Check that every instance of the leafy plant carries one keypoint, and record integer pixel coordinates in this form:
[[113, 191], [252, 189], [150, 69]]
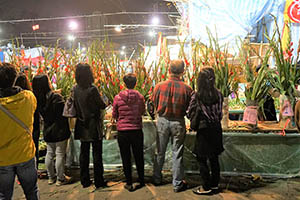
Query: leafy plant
[[286, 75], [257, 84], [224, 72]]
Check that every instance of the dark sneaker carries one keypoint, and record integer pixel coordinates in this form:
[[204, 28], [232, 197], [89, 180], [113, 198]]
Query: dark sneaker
[[67, 180], [103, 184], [157, 183], [88, 184], [182, 187], [140, 185], [129, 187], [215, 189], [201, 191]]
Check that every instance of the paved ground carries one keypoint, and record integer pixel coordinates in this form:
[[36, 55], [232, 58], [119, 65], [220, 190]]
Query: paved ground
[[232, 188]]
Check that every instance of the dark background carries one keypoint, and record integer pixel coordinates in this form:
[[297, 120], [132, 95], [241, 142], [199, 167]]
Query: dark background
[[90, 28]]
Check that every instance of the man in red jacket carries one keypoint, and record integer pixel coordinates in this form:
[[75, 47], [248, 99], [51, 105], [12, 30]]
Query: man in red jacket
[[128, 108], [171, 99]]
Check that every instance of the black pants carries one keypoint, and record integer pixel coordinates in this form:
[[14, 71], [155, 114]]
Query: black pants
[[85, 161], [132, 139], [36, 139], [209, 180]]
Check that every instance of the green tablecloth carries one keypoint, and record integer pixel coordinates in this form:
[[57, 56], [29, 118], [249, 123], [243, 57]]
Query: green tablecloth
[[263, 153]]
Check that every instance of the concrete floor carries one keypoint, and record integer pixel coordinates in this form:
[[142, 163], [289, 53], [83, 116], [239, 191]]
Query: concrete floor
[[232, 188]]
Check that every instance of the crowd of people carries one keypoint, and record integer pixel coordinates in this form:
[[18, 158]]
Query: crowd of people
[[21, 108]]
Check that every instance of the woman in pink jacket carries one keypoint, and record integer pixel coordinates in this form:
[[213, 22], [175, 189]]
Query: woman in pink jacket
[[128, 108]]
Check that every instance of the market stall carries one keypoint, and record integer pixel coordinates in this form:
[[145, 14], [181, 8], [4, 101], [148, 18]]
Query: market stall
[[263, 152]]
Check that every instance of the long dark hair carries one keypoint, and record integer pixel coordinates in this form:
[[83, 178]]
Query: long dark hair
[[83, 75], [41, 86], [22, 81], [206, 91]]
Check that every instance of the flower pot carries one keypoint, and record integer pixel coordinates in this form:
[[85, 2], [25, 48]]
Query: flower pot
[[225, 119], [286, 113], [250, 114]]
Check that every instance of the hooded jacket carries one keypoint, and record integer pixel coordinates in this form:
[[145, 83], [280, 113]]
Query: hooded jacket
[[16, 145], [128, 108]]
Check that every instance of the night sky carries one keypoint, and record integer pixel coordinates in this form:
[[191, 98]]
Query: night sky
[[33, 9]]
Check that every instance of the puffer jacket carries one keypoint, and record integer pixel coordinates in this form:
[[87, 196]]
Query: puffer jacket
[[128, 108]]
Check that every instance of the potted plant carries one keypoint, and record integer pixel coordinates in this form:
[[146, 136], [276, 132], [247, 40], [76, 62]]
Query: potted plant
[[286, 76], [257, 85]]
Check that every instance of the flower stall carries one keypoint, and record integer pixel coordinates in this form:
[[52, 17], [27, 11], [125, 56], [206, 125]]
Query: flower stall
[[252, 145]]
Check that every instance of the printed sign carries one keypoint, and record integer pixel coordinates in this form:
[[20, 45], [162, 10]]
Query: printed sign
[[250, 115], [294, 11], [287, 109]]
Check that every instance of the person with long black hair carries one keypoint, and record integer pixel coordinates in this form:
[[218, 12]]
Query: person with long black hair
[[56, 130], [89, 125], [207, 103]]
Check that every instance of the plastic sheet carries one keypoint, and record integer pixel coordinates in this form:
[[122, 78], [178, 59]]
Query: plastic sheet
[[245, 153]]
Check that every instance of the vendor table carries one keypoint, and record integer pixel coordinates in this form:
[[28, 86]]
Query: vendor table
[[245, 152]]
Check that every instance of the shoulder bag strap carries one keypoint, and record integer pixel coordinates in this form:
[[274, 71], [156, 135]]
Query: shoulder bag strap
[[13, 117]]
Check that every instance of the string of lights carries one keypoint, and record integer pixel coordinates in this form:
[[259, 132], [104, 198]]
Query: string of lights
[[86, 16]]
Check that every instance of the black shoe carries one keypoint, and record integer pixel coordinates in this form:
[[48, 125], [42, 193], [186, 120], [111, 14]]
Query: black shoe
[[182, 187], [88, 184], [157, 183], [129, 187], [215, 190], [103, 184], [201, 191], [139, 186]]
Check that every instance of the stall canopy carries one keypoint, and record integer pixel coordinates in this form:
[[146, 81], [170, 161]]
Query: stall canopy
[[235, 18]]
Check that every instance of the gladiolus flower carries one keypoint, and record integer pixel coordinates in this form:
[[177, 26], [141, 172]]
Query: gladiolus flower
[[186, 62], [150, 91], [246, 60]]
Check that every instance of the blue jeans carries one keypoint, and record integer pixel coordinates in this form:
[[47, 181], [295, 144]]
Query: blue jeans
[[176, 130], [27, 175]]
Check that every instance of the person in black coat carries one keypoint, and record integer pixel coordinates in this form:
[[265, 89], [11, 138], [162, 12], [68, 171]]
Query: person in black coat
[[206, 105], [56, 128], [89, 106]]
